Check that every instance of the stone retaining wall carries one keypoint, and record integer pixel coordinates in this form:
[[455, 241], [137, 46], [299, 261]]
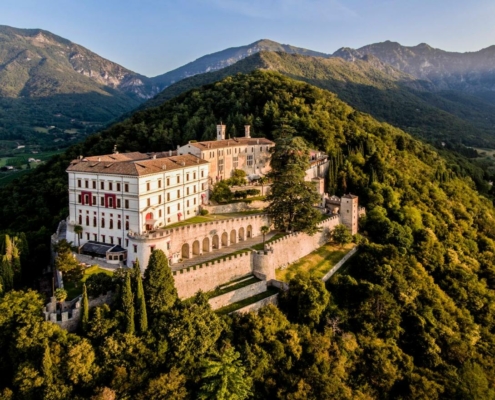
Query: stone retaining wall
[[259, 304], [236, 207], [237, 295], [210, 275], [337, 266]]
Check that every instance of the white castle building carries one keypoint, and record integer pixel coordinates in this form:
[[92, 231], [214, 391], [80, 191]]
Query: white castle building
[[125, 203]]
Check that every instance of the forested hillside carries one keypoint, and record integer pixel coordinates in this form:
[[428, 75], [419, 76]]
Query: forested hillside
[[50, 85], [374, 87], [412, 318]]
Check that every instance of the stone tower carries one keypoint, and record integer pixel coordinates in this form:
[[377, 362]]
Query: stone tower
[[221, 129], [349, 212]]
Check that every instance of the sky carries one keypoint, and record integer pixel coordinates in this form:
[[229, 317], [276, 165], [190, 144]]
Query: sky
[[152, 37]]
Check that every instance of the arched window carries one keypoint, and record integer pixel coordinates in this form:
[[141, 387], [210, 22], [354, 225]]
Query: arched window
[[103, 222], [80, 220], [94, 222], [111, 224], [119, 224], [87, 220]]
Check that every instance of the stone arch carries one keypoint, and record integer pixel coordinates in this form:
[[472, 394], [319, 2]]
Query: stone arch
[[241, 234], [185, 251], [233, 237], [249, 231], [215, 242], [206, 244], [225, 239], [196, 248]]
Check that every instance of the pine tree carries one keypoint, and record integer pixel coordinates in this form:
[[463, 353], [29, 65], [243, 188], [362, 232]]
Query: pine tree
[[291, 199], [141, 314], [128, 305], [84, 309], [159, 285]]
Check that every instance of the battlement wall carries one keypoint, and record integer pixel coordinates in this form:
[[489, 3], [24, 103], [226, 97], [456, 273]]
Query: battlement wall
[[291, 248], [209, 275]]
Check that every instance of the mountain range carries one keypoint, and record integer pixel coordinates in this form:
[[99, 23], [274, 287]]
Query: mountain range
[[48, 81]]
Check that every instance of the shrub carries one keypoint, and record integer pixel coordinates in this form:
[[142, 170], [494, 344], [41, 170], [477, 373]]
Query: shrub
[[204, 212], [99, 284]]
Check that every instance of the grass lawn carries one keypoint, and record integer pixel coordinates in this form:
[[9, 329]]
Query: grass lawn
[[243, 303], [231, 288], [73, 290], [317, 263]]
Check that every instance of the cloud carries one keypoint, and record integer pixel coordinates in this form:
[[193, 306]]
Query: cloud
[[307, 10]]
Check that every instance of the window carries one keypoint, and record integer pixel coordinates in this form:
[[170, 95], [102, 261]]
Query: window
[[252, 149], [178, 194], [187, 191], [80, 220], [78, 183], [110, 186], [160, 213], [178, 179], [178, 206], [79, 198], [86, 199], [235, 162], [86, 184], [250, 161], [194, 175], [187, 204], [187, 177], [87, 220], [220, 166], [168, 210], [194, 188], [94, 200], [118, 187], [102, 185], [102, 201], [103, 238], [103, 222], [148, 202], [94, 237], [203, 185], [110, 202], [152, 248], [168, 196], [87, 236], [127, 243], [134, 248], [126, 187], [168, 181], [118, 203], [160, 199], [94, 222], [168, 245], [148, 186], [111, 239], [120, 241], [126, 203], [195, 201], [119, 224], [94, 184], [126, 225], [202, 173], [159, 183], [111, 224]]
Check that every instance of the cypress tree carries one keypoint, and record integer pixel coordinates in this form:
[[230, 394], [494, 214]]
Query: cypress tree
[[47, 366], [128, 305], [159, 285], [84, 309], [142, 316]]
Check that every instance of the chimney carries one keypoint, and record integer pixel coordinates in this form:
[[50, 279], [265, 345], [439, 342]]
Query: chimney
[[247, 131], [221, 132], [170, 153], [154, 156]]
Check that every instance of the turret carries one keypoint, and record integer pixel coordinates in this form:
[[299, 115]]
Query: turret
[[247, 131], [221, 129], [349, 212]]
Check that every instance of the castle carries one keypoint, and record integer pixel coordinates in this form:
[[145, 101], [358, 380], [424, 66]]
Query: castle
[[121, 205]]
